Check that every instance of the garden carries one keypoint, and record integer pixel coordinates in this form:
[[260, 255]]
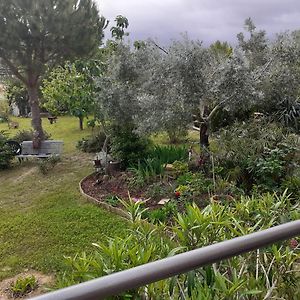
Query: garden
[[180, 147]]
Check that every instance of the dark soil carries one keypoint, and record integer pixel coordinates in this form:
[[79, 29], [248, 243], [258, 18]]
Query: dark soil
[[101, 187]]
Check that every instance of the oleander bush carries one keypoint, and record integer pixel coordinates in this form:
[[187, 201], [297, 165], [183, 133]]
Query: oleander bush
[[268, 273]]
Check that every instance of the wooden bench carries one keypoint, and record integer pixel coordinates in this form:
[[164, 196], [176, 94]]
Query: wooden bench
[[48, 148]]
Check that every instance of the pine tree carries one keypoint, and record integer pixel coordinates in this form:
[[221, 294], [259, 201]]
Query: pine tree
[[37, 35]]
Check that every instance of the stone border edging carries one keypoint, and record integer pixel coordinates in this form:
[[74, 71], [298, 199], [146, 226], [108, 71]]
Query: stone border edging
[[104, 205]]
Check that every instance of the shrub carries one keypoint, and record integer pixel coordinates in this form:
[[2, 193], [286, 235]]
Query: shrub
[[6, 154], [261, 274], [127, 146], [27, 135], [47, 164], [4, 111], [93, 143], [256, 153]]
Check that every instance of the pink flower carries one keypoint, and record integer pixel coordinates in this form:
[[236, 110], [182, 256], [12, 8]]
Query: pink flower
[[136, 200]]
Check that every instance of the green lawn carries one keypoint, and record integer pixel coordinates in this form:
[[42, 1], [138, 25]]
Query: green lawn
[[44, 217]]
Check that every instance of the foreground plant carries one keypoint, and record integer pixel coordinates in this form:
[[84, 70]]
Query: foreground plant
[[269, 273], [23, 286]]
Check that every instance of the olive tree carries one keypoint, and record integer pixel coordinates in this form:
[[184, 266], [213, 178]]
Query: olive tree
[[37, 35]]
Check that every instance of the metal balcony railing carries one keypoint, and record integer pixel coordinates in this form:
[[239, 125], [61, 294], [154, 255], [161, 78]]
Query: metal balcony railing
[[117, 283]]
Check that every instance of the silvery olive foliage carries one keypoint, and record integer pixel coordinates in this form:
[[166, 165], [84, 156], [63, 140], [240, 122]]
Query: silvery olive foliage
[[161, 89], [116, 99], [282, 81], [174, 88]]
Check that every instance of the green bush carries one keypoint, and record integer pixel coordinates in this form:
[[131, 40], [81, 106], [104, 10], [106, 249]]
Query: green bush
[[93, 143], [292, 184], [47, 164], [256, 153], [4, 111], [128, 147], [6, 155], [248, 276], [27, 135]]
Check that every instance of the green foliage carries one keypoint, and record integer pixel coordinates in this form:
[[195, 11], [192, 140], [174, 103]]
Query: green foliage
[[6, 155], [4, 111], [23, 286], [17, 94], [157, 216], [221, 49], [127, 146], [112, 200], [51, 36], [169, 154], [180, 167], [254, 275], [148, 169], [141, 246], [159, 190], [68, 90], [257, 153], [27, 135], [134, 209], [292, 184], [47, 164], [192, 186], [162, 215], [92, 143], [118, 31]]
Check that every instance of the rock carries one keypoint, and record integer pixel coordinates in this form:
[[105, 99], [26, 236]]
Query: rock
[[169, 167], [163, 201]]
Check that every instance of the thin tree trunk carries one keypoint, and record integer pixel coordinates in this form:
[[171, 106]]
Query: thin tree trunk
[[36, 121], [204, 129], [81, 122], [204, 142]]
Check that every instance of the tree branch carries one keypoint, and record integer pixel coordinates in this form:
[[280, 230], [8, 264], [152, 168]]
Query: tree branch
[[160, 48], [215, 109], [13, 69]]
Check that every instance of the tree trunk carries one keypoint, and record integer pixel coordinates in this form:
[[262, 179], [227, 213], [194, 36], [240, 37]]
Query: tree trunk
[[204, 127], [36, 121], [204, 142], [81, 122]]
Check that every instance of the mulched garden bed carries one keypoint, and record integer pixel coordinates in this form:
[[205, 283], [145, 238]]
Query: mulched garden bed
[[102, 187]]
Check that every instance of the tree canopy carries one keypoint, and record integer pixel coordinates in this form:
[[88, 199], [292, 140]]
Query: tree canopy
[[36, 35]]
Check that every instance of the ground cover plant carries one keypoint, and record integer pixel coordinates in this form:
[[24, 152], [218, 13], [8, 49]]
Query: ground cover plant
[[23, 286]]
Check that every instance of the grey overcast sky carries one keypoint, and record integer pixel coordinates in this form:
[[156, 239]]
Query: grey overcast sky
[[206, 20]]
